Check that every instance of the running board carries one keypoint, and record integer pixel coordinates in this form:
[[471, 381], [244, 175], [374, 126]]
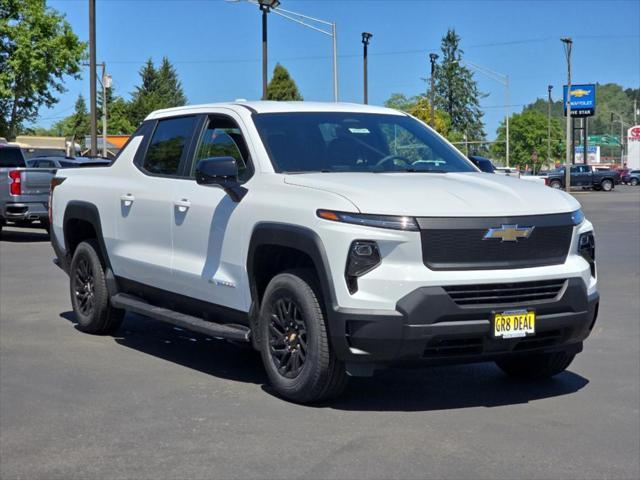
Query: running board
[[137, 305]]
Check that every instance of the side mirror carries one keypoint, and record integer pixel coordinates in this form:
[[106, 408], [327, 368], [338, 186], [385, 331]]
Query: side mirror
[[221, 171]]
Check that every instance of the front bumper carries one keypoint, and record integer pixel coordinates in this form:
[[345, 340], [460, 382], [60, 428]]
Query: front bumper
[[429, 327]]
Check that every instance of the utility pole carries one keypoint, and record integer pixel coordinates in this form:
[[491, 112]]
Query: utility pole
[[92, 76], [265, 73], [433, 57], [568, 44], [549, 88], [366, 38], [106, 83]]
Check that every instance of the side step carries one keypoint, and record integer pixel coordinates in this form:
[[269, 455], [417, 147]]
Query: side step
[[137, 305]]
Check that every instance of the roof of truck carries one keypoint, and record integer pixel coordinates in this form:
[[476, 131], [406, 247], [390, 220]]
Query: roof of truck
[[274, 107]]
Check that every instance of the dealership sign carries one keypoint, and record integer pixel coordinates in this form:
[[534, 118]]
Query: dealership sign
[[633, 147], [583, 100]]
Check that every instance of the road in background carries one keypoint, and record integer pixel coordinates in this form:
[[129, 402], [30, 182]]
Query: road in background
[[157, 402]]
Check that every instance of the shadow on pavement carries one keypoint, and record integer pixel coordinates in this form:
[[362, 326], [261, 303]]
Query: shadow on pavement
[[427, 389], [23, 235]]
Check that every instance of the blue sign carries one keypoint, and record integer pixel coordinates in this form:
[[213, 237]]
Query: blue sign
[[583, 100]]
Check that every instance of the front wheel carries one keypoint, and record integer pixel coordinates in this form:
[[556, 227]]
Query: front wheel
[[541, 365], [634, 182], [295, 348], [89, 294]]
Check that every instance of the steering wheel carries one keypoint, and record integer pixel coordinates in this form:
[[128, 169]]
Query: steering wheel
[[389, 158]]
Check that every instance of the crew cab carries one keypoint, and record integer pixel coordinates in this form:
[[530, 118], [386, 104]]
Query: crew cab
[[24, 192], [337, 239], [584, 176]]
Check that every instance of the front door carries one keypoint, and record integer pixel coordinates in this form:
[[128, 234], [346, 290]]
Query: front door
[[207, 233]]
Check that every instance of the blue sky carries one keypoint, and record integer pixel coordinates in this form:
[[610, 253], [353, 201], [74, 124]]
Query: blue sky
[[215, 45]]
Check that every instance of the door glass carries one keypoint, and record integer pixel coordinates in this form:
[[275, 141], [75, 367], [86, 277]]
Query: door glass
[[223, 138], [167, 145]]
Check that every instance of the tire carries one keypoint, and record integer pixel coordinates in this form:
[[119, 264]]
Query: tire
[[607, 185], [89, 294], [294, 344], [634, 182], [542, 365], [557, 184], [45, 224]]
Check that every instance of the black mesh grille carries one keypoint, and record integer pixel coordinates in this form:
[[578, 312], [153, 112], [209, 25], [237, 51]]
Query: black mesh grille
[[521, 293], [463, 247]]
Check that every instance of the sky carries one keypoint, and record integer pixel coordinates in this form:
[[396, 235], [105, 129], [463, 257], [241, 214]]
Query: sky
[[216, 46]]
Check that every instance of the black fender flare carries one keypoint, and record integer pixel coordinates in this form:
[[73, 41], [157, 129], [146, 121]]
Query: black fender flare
[[87, 212], [299, 238]]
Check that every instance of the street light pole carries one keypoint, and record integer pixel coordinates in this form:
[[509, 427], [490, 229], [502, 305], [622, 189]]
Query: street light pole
[[92, 76], [568, 44], [433, 57], [549, 88], [265, 73], [366, 38]]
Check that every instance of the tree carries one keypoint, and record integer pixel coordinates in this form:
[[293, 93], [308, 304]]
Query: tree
[[159, 88], [282, 87], [118, 122], [528, 139], [456, 92], [37, 50], [420, 107]]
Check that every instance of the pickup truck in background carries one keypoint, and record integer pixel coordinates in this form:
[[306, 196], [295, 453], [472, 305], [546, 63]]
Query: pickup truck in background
[[24, 192], [584, 176]]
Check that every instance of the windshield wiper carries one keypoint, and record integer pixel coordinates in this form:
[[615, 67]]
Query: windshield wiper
[[410, 170]]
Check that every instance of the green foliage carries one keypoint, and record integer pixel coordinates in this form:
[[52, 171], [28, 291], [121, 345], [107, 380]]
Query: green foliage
[[159, 88], [37, 50], [528, 140], [456, 92], [282, 87], [420, 107]]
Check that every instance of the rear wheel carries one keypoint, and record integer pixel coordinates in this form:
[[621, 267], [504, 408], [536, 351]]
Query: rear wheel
[[634, 181], [607, 185], [294, 344], [555, 184], [542, 365], [89, 295]]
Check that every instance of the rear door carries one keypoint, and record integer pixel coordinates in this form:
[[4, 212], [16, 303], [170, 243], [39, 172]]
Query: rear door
[[207, 262], [143, 248]]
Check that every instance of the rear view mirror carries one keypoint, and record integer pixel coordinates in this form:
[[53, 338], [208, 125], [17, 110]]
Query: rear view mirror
[[221, 171]]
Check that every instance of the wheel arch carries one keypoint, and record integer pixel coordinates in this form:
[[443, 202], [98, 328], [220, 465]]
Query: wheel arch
[[82, 221], [293, 239]]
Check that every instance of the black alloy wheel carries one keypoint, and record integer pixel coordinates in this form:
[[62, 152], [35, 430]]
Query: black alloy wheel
[[287, 337], [84, 286]]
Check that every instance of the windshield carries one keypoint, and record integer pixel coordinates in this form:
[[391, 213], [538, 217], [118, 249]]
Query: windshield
[[354, 142]]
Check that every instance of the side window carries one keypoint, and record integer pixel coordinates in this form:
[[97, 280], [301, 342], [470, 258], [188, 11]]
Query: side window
[[223, 138], [46, 164], [167, 145]]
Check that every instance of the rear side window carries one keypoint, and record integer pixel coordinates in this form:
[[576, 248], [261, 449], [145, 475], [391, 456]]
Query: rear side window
[[11, 157], [167, 145]]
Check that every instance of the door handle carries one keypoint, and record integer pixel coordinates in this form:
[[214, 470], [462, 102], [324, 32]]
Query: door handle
[[182, 205], [127, 199]]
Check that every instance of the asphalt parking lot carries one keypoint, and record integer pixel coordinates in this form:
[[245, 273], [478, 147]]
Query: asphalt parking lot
[[157, 402]]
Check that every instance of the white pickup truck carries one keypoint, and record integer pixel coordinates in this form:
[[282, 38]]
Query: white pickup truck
[[339, 239]]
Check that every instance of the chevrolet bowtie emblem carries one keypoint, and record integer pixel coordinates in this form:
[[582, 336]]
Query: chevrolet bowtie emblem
[[508, 233]]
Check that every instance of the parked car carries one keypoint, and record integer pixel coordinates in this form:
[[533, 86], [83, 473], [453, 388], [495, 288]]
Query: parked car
[[484, 164], [64, 162], [584, 176], [24, 192], [337, 239], [632, 177]]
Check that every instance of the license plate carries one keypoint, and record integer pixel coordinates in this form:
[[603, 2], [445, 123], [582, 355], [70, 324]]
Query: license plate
[[514, 324]]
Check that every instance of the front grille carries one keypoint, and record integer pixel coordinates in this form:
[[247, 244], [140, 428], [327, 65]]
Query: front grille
[[454, 347], [520, 293], [541, 340], [460, 244]]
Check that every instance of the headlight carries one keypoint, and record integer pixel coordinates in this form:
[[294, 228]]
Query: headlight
[[577, 217], [587, 248], [380, 221], [364, 256]]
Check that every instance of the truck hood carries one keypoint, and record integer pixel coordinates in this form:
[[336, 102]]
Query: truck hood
[[439, 195]]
